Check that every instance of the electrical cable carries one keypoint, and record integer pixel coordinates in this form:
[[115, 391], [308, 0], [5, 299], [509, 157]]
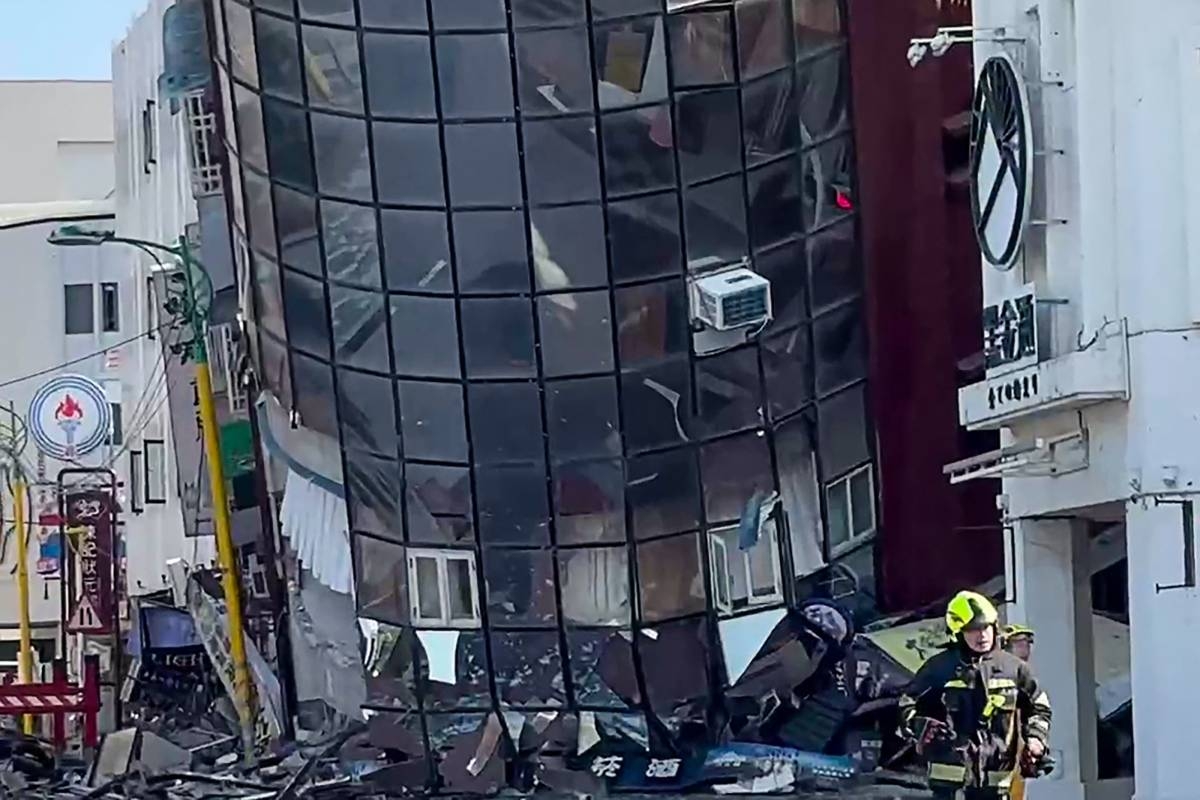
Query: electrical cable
[[80, 359]]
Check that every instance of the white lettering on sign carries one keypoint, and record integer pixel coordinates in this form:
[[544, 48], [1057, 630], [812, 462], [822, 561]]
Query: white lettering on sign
[[606, 766], [663, 767]]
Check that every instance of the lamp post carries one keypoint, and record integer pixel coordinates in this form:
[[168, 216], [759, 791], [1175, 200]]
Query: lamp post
[[195, 315]]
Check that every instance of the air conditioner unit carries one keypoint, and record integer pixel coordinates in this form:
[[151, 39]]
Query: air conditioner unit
[[732, 299]]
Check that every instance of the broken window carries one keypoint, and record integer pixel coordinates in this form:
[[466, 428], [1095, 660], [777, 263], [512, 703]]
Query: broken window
[[454, 670], [734, 471], [851, 504], [528, 668], [520, 587], [664, 490], [388, 664], [602, 668], [382, 584], [745, 567], [595, 585], [670, 577], [443, 588], [589, 503], [438, 504]]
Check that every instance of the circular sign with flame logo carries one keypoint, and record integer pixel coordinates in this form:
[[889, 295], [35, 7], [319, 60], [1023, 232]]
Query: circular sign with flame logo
[[69, 417]]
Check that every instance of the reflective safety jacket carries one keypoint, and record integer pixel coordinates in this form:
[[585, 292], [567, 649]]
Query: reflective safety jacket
[[985, 703]]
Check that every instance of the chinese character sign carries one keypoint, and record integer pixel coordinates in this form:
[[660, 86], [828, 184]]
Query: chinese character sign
[[1010, 332], [90, 569]]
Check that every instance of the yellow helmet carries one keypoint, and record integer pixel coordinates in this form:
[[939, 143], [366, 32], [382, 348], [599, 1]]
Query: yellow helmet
[[969, 609], [1011, 631]]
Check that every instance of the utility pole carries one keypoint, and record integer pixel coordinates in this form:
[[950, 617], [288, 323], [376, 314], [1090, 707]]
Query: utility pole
[[195, 315], [25, 662]]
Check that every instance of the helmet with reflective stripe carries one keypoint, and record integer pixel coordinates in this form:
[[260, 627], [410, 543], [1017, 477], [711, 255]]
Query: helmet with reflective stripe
[[969, 610]]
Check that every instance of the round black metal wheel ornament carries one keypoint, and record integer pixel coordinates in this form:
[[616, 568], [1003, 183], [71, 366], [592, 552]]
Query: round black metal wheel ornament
[[1001, 162]]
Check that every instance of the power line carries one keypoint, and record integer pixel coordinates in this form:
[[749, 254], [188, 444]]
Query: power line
[[74, 361]]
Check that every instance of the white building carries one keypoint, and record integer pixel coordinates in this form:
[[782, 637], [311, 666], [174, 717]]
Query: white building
[[1100, 413], [71, 310]]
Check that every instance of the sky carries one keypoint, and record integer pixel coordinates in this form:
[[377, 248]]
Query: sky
[[62, 39]]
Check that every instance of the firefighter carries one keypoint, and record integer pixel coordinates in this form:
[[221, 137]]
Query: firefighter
[[1018, 640], [969, 708]]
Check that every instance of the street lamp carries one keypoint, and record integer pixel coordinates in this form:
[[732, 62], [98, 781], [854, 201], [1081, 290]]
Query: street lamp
[[195, 314]]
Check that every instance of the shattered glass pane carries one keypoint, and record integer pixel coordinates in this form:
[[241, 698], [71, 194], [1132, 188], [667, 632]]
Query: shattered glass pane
[[728, 396], [398, 732], [589, 503], [733, 471], [602, 668], [454, 671], [664, 490], [595, 585], [528, 668], [799, 495], [381, 579], [670, 577], [675, 662], [373, 486], [658, 406], [520, 587], [388, 664], [444, 727]]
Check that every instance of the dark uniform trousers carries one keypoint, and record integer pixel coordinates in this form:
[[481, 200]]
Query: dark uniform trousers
[[986, 705]]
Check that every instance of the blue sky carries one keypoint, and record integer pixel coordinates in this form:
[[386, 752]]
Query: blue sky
[[62, 38]]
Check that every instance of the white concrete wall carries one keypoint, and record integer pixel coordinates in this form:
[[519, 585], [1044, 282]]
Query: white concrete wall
[[152, 203], [1129, 187]]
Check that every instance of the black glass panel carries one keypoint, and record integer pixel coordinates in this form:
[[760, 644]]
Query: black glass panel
[[332, 68], [474, 75], [589, 502], [709, 134], [841, 348], [506, 422], [498, 338], [410, 14], [359, 328], [469, 14], [576, 333], [416, 248], [438, 503], [769, 116], [652, 322], [824, 89], [818, 24], [843, 432], [243, 62], [261, 217], [715, 214], [560, 160], [469, 686], [763, 41], [287, 144], [368, 412], [603, 9], [593, 654], [828, 183], [304, 301], [433, 423], [784, 267], [638, 149], [390, 669], [657, 406], [644, 235], [798, 491], [315, 400], [728, 396], [296, 223], [553, 71], [775, 213], [787, 364], [568, 247], [425, 337], [582, 418], [834, 268], [340, 145], [373, 486], [664, 493], [408, 165], [280, 57], [250, 136], [389, 56], [670, 577], [491, 251], [733, 470], [338, 11], [268, 294], [381, 580], [520, 587], [547, 12], [631, 66], [482, 160], [702, 48], [276, 368], [351, 243], [513, 507]]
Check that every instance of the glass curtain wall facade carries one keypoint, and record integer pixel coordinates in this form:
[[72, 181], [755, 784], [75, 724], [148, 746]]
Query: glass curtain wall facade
[[469, 227]]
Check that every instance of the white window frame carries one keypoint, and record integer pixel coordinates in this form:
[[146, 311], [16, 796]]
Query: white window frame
[[723, 563], [443, 559], [843, 484]]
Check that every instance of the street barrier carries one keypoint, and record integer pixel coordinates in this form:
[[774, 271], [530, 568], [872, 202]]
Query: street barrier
[[59, 698]]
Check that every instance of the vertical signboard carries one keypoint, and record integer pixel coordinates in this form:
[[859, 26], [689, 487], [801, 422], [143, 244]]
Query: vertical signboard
[[90, 537]]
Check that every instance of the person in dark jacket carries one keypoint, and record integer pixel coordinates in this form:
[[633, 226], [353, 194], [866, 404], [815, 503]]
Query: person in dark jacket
[[974, 710]]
